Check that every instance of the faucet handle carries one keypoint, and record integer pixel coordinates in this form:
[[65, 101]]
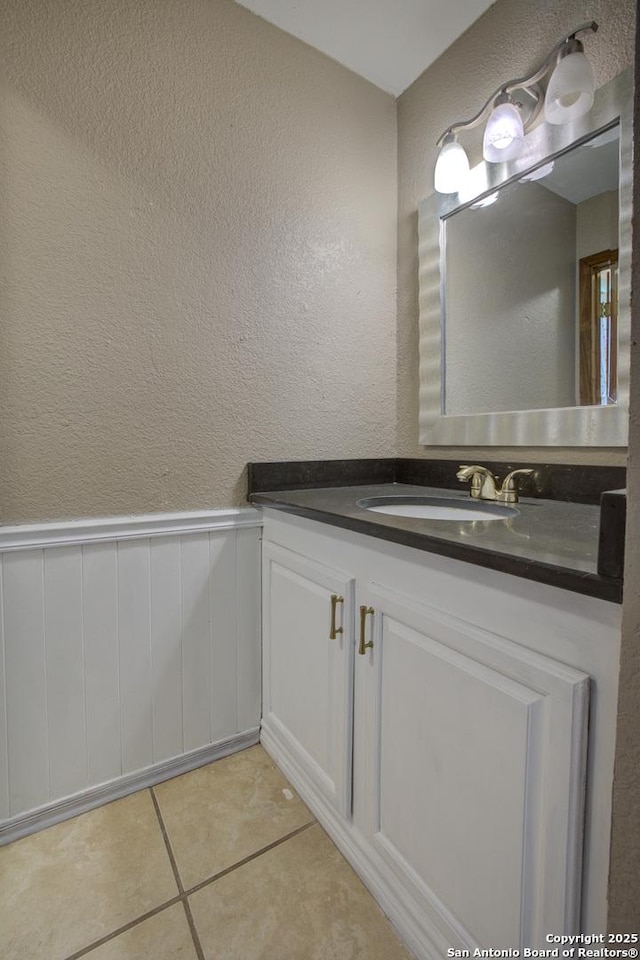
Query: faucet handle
[[508, 493]]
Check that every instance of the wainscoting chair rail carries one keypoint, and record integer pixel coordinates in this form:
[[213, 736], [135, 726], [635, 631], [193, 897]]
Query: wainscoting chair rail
[[104, 529]]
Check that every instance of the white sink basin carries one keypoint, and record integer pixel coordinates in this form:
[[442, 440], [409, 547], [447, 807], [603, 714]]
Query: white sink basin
[[438, 508]]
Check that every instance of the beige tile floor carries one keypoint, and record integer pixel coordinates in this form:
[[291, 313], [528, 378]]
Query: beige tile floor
[[223, 863]]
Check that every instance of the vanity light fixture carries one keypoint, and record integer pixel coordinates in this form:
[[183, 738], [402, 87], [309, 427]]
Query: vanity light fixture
[[516, 104], [504, 132], [452, 167], [572, 86]]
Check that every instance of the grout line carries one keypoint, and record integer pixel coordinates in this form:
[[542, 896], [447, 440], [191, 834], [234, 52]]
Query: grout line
[[185, 893], [252, 856], [165, 837], [192, 927], [124, 929], [174, 866], [182, 895]]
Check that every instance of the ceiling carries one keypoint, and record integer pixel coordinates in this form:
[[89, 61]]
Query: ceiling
[[389, 42], [584, 172]]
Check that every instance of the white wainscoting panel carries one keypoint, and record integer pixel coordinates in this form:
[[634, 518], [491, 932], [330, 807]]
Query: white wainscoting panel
[[118, 654], [4, 759]]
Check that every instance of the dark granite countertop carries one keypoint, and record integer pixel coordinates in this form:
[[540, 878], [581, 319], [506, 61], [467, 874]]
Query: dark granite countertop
[[549, 541]]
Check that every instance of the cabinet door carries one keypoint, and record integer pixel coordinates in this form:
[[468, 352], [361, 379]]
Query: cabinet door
[[308, 668], [475, 777]]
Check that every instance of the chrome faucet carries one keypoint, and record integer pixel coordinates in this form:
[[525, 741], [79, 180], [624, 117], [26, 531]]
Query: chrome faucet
[[484, 483]]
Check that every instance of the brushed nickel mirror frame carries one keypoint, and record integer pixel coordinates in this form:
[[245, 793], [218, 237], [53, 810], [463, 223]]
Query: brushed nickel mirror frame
[[597, 426]]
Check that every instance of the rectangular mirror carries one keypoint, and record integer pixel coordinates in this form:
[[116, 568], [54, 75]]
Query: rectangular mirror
[[524, 291], [526, 246]]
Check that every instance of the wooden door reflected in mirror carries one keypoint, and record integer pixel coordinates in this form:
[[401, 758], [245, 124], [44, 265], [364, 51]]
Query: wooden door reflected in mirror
[[599, 328]]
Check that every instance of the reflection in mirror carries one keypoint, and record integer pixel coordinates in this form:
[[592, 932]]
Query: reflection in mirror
[[598, 304], [530, 286]]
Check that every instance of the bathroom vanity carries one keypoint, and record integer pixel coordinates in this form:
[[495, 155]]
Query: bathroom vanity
[[443, 692], [451, 726]]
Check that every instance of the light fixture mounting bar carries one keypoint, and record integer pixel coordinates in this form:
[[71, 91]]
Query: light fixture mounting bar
[[521, 83]]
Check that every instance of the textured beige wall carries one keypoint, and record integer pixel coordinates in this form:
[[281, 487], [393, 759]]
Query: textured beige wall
[[510, 39], [624, 878], [197, 256], [597, 224]]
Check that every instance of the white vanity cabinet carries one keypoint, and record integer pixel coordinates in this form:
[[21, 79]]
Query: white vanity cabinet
[[475, 777], [469, 733], [307, 629]]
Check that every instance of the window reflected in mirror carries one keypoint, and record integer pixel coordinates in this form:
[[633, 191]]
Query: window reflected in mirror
[[599, 327]]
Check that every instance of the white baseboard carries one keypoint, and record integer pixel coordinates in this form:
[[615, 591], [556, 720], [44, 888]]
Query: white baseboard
[[60, 810], [424, 943]]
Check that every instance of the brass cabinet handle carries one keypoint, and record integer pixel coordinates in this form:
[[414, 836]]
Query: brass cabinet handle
[[334, 631], [363, 622]]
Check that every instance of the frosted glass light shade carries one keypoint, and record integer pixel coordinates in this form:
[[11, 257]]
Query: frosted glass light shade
[[486, 201], [452, 168], [571, 89], [539, 173], [503, 134]]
